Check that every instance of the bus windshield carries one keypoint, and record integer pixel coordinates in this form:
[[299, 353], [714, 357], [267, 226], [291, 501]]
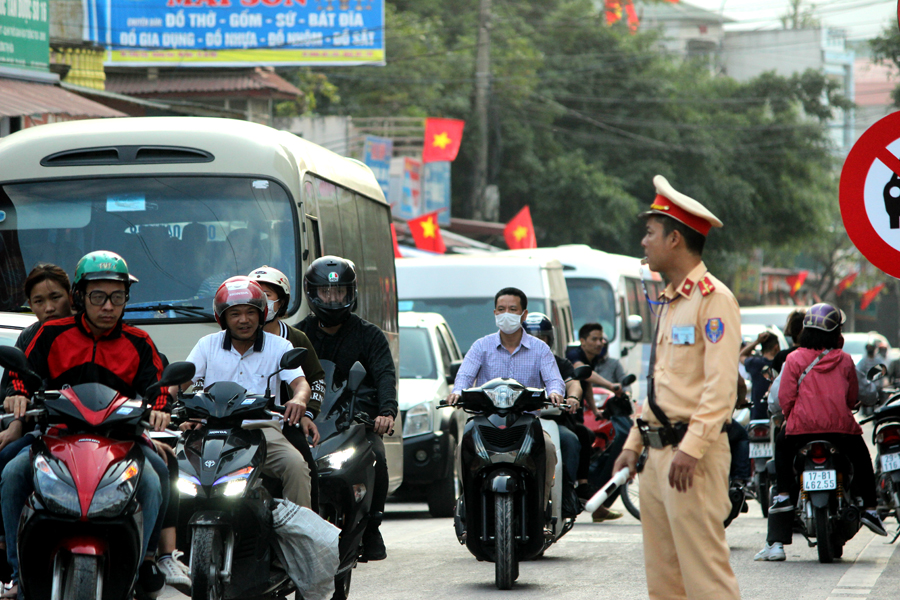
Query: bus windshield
[[181, 236], [469, 318], [593, 301]]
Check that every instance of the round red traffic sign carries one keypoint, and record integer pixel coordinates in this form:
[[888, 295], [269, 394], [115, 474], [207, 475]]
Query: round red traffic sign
[[870, 194]]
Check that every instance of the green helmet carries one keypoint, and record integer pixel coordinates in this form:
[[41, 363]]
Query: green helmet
[[102, 265]]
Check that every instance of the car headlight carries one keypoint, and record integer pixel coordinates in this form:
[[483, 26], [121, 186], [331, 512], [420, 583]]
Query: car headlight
[[337, 459], [418, 420], [187, 484], [58, 496], [115, 490], [234, 483], [503, 396]]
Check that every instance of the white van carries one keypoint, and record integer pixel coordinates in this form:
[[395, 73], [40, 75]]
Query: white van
[[606, 288], [462, 289]]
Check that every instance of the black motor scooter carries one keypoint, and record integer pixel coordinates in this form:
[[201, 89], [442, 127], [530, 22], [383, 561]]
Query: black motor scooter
[[232, 545], [886, 437], [502, 515], [346, 464]]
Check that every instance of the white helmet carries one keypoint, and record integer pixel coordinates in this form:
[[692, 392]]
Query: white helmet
[[273, 276]]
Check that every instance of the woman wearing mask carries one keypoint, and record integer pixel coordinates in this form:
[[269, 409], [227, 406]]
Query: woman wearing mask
[[819, 408]]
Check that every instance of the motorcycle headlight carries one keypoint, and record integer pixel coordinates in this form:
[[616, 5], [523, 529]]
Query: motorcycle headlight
[[503, 396], [115, 490], [234, 483], [418, 420], [58, 495], [187, 484], [337, 459]]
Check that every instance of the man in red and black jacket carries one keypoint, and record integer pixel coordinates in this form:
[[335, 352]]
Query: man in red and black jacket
[[95, 346]]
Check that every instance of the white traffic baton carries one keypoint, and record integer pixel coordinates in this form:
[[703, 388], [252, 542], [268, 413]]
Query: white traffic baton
[[600, 497]]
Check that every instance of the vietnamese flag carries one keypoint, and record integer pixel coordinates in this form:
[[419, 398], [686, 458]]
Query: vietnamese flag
[[869, 296], [613, 11], [796, 281], [426, 233], [442, 138], [633, 20], [846, 282], [394, 238], [519, 232]]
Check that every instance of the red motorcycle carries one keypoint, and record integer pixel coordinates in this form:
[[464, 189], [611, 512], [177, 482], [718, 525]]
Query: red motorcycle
[[81, 532]]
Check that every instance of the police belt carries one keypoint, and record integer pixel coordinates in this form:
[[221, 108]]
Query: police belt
[[660, 437]]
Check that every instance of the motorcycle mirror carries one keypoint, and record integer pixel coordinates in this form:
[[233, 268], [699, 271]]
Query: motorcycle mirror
[[583, 372], [629, 379], [292, 359], [177, 373], [357, 374], [13, 359], [877, 372]]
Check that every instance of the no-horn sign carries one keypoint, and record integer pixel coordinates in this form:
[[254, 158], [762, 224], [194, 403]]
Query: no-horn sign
[[870, 194]]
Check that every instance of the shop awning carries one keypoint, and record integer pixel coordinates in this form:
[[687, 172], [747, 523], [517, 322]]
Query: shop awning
[[19, 98]]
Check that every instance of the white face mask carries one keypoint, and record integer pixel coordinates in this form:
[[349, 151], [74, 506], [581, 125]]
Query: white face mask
[[270, 316], [508, 323]]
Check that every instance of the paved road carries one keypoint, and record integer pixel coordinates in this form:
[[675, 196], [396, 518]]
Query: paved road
[[605, 561]]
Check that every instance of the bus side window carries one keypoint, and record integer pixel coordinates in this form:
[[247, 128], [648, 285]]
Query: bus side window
[[315, 237], [378, 261], [346, 202], [329, 221]]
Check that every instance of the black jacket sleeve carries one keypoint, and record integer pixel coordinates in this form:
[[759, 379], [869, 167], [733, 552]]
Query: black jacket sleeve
[[312, 369], [22, 342], [381, 368]]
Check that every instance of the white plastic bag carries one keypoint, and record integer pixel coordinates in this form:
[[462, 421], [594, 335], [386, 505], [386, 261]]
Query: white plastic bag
[[309, 547]]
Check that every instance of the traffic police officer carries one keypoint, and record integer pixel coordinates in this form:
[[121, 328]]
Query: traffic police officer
[[684, 484]]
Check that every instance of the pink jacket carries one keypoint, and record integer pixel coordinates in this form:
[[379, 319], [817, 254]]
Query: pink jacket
[[826, 396]]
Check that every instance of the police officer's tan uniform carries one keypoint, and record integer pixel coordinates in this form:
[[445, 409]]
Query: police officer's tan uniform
[[685, 550]]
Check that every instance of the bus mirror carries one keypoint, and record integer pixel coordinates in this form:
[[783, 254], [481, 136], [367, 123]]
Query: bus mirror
[[634, 328]]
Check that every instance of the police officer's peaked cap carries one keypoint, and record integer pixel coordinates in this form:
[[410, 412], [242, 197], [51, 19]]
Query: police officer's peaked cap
[[684, 209]]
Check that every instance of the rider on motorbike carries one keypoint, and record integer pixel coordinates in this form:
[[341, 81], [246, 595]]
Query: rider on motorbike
[[243, 353], [574, 439], [512, 353], [343, 338], [95, 345], [819, 410]]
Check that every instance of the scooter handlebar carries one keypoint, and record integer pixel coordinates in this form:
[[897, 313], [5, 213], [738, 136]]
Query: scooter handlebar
[[600, 497], [8, 418]]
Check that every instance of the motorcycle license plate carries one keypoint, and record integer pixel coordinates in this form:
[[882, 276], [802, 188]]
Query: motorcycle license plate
[[890, 462], [819, 480], [761, 451]]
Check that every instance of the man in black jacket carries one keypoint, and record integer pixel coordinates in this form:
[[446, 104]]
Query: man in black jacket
[[343, 338]]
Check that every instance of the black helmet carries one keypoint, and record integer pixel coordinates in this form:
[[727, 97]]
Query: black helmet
[[327, 273], [539, 325]]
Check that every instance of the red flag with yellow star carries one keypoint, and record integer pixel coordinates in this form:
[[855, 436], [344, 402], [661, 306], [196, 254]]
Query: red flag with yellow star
[[867, 298], [426, 233], [394, 238], [795, 282], [519, 232], [442, 138]]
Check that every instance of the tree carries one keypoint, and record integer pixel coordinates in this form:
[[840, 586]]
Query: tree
[[798, 17]]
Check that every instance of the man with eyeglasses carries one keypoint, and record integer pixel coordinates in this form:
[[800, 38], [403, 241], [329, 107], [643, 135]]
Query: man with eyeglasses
[[95, 346]]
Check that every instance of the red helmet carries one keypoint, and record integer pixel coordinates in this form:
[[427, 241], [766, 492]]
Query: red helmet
[[236, 291]]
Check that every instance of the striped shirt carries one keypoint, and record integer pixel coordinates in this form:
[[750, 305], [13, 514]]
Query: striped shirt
[[532, 364]]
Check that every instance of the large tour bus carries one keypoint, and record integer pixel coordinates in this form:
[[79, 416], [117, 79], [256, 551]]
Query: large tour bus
[[608, 289], [189, 202]]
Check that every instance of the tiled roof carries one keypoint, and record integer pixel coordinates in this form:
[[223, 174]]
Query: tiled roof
[[19, 98], [199, 83]]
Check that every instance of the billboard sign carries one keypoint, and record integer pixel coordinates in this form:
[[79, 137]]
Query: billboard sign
[[436, 190], [377, 153], [210, 33], [25, 34]]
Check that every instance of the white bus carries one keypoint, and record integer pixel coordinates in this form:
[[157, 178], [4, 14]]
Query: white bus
[[189, 202], [606, 288]]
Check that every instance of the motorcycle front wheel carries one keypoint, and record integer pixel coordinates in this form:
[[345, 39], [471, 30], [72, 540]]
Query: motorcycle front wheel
[[206, 564], [82, 579], [505, 564], [823, 535]]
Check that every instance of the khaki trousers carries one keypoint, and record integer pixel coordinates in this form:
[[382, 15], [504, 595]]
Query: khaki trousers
[[685, 551], [285, 462]]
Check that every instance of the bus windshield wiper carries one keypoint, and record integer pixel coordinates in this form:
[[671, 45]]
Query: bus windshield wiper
[[194, 311]]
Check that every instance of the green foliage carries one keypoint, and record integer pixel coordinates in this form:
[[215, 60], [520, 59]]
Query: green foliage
[[584, 115]]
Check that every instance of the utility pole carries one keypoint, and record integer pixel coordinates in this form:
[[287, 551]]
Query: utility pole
[[482, 96]]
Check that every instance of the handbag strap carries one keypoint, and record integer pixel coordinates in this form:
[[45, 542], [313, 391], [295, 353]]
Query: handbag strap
[[810, 367]]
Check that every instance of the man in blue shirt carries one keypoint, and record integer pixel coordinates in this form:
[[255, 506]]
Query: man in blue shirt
[[513, 354], [754, 364]]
